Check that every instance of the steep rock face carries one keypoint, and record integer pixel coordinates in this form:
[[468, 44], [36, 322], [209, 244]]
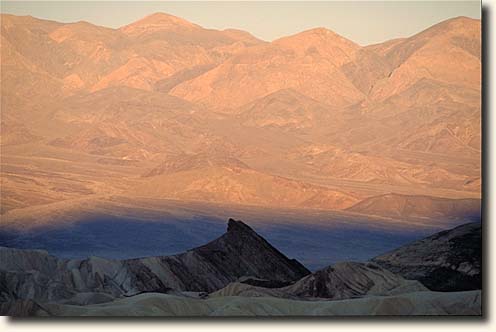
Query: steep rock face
[[241, 251], [447, 261], [34, 274]]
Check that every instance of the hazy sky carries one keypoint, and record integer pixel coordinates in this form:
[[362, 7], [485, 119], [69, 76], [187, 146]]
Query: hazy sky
[[363, 22]]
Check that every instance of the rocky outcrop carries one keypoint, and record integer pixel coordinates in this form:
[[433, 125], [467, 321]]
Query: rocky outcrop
[[447, 261], [240, 252], [248, 254], [345, 280]]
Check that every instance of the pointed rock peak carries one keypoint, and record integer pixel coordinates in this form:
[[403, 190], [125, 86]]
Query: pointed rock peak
[[249, 254], [237, 226]]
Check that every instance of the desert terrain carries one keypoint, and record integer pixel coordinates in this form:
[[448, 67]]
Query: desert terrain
[[241, 274], [170, 123], [165, 108], [125, 150]]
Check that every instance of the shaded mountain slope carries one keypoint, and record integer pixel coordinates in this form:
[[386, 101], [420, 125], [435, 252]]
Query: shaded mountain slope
[[33, 274], [233, 268], [447, 261], [343, 280], [349, 279]]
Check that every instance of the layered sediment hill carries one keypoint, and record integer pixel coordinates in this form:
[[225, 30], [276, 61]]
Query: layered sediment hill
[[447, 261], [241, 265], [36, 275]]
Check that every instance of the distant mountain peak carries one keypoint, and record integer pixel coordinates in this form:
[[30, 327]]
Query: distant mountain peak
[[320, 31], [319, 34], [460, 20], [160, 17], [320, 42], [460, 25], [156, 22]]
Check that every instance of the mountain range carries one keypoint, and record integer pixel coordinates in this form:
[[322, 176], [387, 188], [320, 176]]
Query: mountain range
[[139, 139], [164, 108]]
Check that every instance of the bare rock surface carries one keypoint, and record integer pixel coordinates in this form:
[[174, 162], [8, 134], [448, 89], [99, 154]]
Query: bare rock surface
[[446, 261], [244, 275], [36, 275], [345, 280], [352, 279]]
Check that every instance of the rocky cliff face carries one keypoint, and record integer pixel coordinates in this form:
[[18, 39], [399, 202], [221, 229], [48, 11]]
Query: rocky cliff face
[[447, 261], [34, 274]]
